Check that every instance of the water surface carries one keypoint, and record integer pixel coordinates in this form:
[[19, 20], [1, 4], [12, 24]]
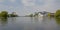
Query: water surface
[[29, 23]]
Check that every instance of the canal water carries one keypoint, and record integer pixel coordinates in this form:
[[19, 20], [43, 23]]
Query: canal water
[[29, 23]]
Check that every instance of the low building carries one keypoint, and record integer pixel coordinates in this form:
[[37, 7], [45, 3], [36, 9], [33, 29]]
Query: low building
[[52, 14], [40, 15], [44, 13]]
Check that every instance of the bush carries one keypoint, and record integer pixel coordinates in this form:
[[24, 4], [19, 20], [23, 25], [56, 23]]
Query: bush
[[57, 14]]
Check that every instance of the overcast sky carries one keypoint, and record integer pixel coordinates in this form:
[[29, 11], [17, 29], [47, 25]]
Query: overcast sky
[[23, 7]]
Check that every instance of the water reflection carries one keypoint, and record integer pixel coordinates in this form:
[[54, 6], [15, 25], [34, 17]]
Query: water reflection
[[3, 21], [31, 18], [29, 23], [13, 19], [36, 19], [58, 21]]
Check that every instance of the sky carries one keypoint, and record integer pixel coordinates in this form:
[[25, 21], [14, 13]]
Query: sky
[[25, 7]]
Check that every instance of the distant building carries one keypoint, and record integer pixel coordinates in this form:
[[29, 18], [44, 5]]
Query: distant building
[[14, 13], [52, 14], [44, 13], [40, 15]]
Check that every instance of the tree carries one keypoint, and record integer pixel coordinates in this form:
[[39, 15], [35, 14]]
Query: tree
[[57, 14], [4, 14], [0, 14], [14, 14], [31, 15], [36, 14], [49, 14]]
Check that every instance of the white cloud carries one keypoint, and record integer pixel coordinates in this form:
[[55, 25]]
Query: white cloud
[[12, 0], [28, 2], [31, 7], [49, 5]]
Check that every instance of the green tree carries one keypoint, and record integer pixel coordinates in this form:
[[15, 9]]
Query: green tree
[[0, 14], [36, 14], [49, 14], [4, 14], [57, 14], [31, 15]]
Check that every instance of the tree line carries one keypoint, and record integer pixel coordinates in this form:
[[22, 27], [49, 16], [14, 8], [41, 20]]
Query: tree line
[[55, 15], [5, 14]]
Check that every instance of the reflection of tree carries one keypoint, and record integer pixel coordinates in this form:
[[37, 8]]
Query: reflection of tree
[[31, 19], [36, 19], [58, 21], [3, 21], [13, 19]]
